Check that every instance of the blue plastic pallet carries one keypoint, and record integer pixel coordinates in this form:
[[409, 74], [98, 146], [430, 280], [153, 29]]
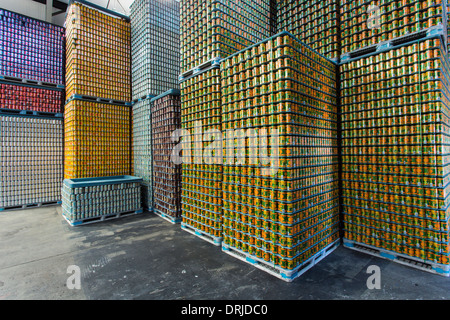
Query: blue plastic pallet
[[217, 241], [430, 33], [100, 181], [8, 112], [31, 206], [34, 83], [208, 65], [106, 217], [281, 273], [436, 268], [99, 100], [171, 219]]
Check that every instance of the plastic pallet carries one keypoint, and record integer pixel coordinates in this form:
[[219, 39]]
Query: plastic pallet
[[147, 97], [31, 113], [31, 206], [430, 33], [100, 100], [202, 235], [15, 80], [171, 219], [435, 268], [210, 64], [280, 273], [102, 218]]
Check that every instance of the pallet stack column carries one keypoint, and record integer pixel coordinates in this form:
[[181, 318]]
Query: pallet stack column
[[97, 115], [280, 175], [166, 119], [210, 31], [98, 106], [394, 101], [31, 100]]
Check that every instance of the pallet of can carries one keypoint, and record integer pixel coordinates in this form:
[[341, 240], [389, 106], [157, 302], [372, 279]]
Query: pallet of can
[[430, 33], [31, 206], [173, 220], [439, 269], [281, 273], [217, 241]]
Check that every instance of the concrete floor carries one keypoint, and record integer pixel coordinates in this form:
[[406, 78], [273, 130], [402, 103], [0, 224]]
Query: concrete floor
[[146, 257]]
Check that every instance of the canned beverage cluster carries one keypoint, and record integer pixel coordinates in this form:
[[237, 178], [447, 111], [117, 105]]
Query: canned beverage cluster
[[97, 139], [31, 157], [215, 29], [155, 46], [395, 151], [142, 148], [201, 194], [365, 23], [19, 97], [31, 49], [289, 214], [314, 23], [98, 56], [166, 118], [79, 203]]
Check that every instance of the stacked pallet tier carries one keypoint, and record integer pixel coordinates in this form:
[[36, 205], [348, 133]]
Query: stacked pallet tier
[[201, 177], [366, 23], [97, 139], [215, 29], [142, 149], [92, 200], [32, 50], [280, 174], [97, 54], [31, 100], [166, 119], [395, 151], [155, 46], [15, 97], [31, 153], [315, 23]]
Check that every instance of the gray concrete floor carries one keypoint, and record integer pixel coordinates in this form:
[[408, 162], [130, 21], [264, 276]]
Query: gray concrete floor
[[146, 257]]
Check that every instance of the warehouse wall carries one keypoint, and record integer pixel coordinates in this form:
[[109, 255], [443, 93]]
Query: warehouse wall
[[32, 9]]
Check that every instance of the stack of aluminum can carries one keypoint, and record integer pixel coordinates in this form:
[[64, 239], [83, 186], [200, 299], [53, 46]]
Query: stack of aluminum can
[[98, 108], [155, 47], [97, 139], [280, 174], [31, 153], [97, 54], [215, 29], [142, 149], [210, 30], [166, 119], [202, 177], [31, 100], [31, 49], [395, 152], [91, 200], [315, 23], [365, 23]]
